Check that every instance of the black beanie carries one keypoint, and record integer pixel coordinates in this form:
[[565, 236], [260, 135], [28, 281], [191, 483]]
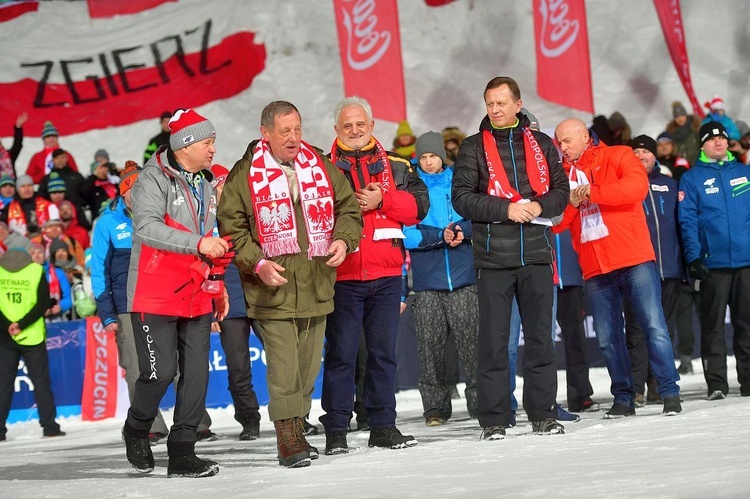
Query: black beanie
[[712, 129], [644, 142]]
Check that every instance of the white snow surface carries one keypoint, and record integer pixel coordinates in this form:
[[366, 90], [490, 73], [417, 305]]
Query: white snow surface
[[700, 453]]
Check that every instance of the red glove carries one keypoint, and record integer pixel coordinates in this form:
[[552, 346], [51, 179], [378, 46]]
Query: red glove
[[225, 259]]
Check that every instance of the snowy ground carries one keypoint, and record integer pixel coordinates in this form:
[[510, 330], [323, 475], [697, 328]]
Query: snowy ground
[[701, 453]]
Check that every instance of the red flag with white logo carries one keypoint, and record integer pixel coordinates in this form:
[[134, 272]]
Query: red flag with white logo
[[670, 18], [563, 69], [370, 47]]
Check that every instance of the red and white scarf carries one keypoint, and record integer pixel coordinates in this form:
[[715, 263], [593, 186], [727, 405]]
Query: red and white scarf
[[274, 209], [537, 168], [592, 222], [385, 228], [55, 291]]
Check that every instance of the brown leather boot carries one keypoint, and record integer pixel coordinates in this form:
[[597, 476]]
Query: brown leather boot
[[300, 430], [292, 449]]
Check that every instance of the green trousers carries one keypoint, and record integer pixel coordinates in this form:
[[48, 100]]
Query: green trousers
[[294, 349]]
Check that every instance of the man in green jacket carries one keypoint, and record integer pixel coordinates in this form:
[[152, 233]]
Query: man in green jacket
[[293, 218], [23, 304]]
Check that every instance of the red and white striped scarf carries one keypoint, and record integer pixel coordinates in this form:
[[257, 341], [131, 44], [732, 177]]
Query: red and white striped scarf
[[274, 208]]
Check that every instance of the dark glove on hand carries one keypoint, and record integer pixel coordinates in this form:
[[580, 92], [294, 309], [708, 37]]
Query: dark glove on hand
[[698, 270]]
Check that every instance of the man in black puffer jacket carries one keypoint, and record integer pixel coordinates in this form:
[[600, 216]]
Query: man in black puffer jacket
[[509, 181]]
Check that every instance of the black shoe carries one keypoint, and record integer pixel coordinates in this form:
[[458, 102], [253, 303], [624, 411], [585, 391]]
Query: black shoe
[[207, 436], [717, 395], [138, 450], [495, 432], [310, 429], [53, 432], [336, 443], [685, 367], [547, 426], [313, 451], [672, 406], [390, 438], [2, 438], [155, 438], [584, 404], [512, 420], [619, 411], [250, 431], [191, 466]]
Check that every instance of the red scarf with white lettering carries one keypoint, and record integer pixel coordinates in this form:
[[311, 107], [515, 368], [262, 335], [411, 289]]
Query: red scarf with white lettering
[[274, 209], [537, 168], [385, 228]]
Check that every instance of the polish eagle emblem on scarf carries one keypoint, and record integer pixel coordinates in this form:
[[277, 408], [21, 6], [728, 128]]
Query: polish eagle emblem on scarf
[[321, 215], [275, 217]]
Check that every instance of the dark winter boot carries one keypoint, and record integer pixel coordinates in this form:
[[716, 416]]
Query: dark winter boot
[[547, 426], [390, 438], [250, 430], [672, 406], [336, 443], [184, 463], [292, 450], [138, 449]]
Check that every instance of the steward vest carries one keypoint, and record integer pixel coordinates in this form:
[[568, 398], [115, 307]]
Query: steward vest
[[18, 295]]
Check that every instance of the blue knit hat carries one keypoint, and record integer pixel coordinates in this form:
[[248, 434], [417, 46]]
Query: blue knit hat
[[49, 130]]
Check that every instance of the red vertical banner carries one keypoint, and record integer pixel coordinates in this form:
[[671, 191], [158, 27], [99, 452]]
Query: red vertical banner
[[563, 69], [100, 374], [670, 17], [370, 47]]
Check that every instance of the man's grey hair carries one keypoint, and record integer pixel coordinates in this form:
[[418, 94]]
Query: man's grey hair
[[274, 109], [352, 101]]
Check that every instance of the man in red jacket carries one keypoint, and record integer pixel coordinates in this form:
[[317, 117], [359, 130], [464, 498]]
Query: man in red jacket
[[368, 285], [611, 237], [41, 162]]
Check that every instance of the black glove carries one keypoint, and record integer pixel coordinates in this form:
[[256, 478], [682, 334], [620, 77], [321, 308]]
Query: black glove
[[698, 270]]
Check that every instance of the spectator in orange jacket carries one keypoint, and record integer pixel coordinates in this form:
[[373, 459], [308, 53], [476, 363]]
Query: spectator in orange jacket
[[611, 237]]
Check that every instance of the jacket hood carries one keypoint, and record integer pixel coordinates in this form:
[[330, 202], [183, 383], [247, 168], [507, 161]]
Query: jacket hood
[[15, 259]]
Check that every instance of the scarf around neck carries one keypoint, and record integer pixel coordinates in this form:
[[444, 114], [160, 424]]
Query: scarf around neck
[[274, 208], [537, 168], [385, 228]]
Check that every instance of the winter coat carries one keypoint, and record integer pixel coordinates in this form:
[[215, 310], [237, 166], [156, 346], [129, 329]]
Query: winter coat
[[309, 290], [168, 224], [436, 266], [729, 125], [74, 185], [110, 261], [685, 138], [13, 153], [714, 213], [407, 204], [97, 195], [26, 216], [618, 185], [500, 243], [660, 207], [158, 140], [40, 164]]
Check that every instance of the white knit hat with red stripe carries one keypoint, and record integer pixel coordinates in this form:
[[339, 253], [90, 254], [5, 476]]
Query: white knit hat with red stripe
[[187, 127], [716, 104]]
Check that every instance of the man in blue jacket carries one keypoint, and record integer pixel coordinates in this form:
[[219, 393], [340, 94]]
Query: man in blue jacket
[[714, 212], [446, 300], [660, 207]]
